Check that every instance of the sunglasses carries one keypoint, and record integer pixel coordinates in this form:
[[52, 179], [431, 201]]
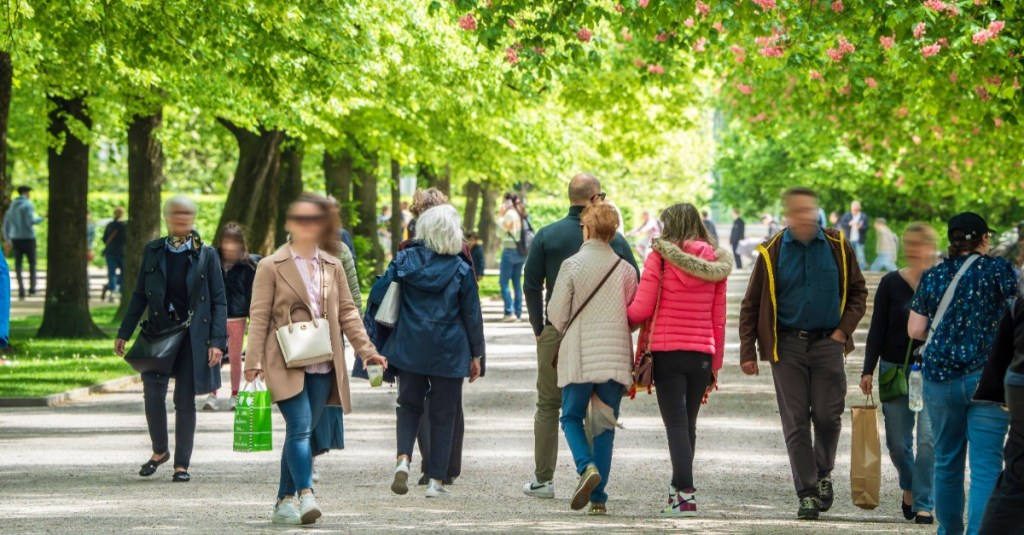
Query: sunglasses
[[598, 197], [307, 219], [183, 214]]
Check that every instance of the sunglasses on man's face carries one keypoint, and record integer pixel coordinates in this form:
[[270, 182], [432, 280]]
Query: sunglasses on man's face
[[183, 214], [307, 219], [598, 197]]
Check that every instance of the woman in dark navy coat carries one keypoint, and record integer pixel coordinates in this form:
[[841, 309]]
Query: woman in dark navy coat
[[165, 284]]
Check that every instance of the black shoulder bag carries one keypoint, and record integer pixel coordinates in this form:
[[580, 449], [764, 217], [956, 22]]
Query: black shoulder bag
[[155, 349]]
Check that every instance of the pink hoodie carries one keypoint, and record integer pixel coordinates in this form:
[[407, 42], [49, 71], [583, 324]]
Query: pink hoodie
[[691, 316]]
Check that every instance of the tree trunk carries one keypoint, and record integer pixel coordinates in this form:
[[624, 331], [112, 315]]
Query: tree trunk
[[66, 310], [472, 192], [364, 194], [145, 180], [289, 182], [251, 201], [6, 76], [338, 171], [444, 180], [488, 223], [396, 206]]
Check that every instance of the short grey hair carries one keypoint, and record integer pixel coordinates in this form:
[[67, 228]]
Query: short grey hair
[[180, 201], [440, 228]]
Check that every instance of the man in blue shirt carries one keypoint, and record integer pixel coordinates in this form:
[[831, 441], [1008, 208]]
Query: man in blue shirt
[[20, 237]]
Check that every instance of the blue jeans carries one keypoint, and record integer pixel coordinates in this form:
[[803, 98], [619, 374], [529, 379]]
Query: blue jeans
[[512, 271], [575, 401], [916, 472], [960, 427], [115, 272], [301, 412], [858, 249], [884, 260]]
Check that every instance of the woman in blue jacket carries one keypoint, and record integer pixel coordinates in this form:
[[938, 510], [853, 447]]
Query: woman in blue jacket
[[437, 341]]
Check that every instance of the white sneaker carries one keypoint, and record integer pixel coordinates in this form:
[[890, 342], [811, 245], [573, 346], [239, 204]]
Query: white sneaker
[[286, 513], [309, 510], [211, 403], [400, 485], [316, 473], [508, 318], [537, 489], [436, 490], [232, 403]]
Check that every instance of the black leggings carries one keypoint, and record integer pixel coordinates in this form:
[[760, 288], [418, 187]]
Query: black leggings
[[154, 391], [681, 378]]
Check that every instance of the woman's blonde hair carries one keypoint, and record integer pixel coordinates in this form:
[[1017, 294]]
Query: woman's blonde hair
[[440, 229], [602, 220], [425, 199], [925, 231]]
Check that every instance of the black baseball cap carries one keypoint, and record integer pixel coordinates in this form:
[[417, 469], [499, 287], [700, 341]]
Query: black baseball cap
[[966, 226]]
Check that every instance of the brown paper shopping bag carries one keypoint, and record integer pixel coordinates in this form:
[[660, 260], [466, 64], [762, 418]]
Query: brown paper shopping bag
[[865, 456]]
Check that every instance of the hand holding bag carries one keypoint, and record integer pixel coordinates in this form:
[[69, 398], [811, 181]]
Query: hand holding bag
[[307, 342], [893, 383], [865, 456], [253, 425]]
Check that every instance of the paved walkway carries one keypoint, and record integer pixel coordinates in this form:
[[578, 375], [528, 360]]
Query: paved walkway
[[73, 469]]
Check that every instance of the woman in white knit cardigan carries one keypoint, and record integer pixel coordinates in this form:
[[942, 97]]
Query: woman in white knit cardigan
[[595, 355]]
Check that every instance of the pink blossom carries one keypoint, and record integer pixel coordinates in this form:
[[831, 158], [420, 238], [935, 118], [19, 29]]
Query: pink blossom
[[655, 69], [771, 51], [699, 45], [745, 89], [467, 22], [703, 8], [871, 82], [661, 37], [540, 51], [954, 119], [991, 32], [620, 8], [689, 22], [766, 5], [845, 46], [902, 111], [899, 182], [931, 50], [837, 6], [994, 80], [584, 35], [879, 174], [759, 117], [626, 36], [643, 3], [887, 42], [919, 30], [953, 77], [996, 26], [740, 53], [845, 90], [935, 5], [998, 122], [943, 41], [639, 63], [511, 23], [981, 92], [719, 27], [969, 162], [511, 56], [815, 75], [916, 139]]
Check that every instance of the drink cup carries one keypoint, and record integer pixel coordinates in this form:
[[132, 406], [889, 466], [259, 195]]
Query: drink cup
[[376, 374]]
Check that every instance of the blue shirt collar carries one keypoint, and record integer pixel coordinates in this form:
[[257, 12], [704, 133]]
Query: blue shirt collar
[[787, 236]]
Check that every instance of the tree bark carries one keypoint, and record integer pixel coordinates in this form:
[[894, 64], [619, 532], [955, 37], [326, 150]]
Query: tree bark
[[289, 185], [472, 192], [396, 206], [145, 180], [6, 77], [444, 180], [252, 199], [338, 171], [364, 194], [66, 309], [488, 222]]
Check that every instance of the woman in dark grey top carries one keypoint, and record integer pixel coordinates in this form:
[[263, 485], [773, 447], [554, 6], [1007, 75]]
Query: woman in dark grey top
[[888, 340], [166, 278]]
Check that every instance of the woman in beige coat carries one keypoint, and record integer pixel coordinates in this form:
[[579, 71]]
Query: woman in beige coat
[[298, 282], [595, 355]]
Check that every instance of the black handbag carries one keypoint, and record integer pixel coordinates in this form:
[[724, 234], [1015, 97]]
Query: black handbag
[[155, 349]]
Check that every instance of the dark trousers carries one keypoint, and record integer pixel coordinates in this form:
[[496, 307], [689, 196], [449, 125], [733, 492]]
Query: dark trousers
[[737, 255], [682, 378], [423, 441], [810, 385], [1004, 513], [25, 248], [154, 391], [445, 398]]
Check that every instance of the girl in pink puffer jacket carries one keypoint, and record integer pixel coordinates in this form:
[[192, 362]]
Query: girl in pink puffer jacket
[[682, 293]]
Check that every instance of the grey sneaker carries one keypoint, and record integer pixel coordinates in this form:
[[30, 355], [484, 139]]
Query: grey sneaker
[[286, 513], [810, 508], [400, 485], [309, 510], [211, 403], [436, 490], [826, 493]]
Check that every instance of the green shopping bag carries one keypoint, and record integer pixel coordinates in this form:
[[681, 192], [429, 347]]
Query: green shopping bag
[[252, 419]]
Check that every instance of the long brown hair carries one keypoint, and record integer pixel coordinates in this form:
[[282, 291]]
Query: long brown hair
[[330, 240], [682, 222], [235, 232]]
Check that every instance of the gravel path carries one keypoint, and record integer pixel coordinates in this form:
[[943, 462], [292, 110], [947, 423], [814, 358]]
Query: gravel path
[[74, 469]]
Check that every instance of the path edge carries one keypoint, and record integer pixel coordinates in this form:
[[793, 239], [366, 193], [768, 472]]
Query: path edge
[[75, 394]]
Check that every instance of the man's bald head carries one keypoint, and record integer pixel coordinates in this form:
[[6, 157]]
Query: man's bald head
[[582, 188]]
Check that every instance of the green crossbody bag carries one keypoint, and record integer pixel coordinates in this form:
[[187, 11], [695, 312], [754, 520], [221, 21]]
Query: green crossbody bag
[[893, 383]]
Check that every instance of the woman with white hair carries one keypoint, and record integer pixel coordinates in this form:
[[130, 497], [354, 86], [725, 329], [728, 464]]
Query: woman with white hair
[[179, 281], [437, 341]]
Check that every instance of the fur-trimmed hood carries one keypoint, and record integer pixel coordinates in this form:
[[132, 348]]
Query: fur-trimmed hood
[[698, 259]]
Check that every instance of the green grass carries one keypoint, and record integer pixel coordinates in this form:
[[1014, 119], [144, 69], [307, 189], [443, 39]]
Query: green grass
[[43, 367], [489, 287]]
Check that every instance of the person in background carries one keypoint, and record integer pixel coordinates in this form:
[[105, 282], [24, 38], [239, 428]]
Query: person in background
[[594, 363], [113, 252], [407, 218], [239, 271], [476, 252], [422, 200], [383, 224], [710, 224], [165, 284], [736, 237], [551, 246], [90, 237], [804, 301], [512, 215], [888, 246], [682, 293], [299, 282], [5, 307], [772, 227], [954, 357], [833, 219], [20, 237], [438, 342], [888, 341], [854, 225], [648, 231]]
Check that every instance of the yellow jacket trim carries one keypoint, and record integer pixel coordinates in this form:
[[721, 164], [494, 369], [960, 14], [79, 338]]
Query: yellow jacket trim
[[763, 249], [845, 281]]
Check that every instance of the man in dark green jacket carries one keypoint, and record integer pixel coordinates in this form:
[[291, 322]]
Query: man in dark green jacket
[[551, 246]]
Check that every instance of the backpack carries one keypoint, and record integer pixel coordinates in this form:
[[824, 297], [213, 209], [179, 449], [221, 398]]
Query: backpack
[[525, 237]]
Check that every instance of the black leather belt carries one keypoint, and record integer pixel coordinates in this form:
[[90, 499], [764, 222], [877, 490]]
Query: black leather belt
[[819, 334]]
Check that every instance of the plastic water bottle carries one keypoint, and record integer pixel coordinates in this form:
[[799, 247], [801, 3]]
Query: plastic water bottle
[[915, 387]]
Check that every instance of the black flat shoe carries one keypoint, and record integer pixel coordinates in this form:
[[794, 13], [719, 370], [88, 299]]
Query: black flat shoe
[[181, 477], [924, 519], [908, 510], [424, 480], [149, 468]]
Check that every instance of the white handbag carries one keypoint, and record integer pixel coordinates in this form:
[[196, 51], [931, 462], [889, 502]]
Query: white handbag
[[387, 313], [307, 342]]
